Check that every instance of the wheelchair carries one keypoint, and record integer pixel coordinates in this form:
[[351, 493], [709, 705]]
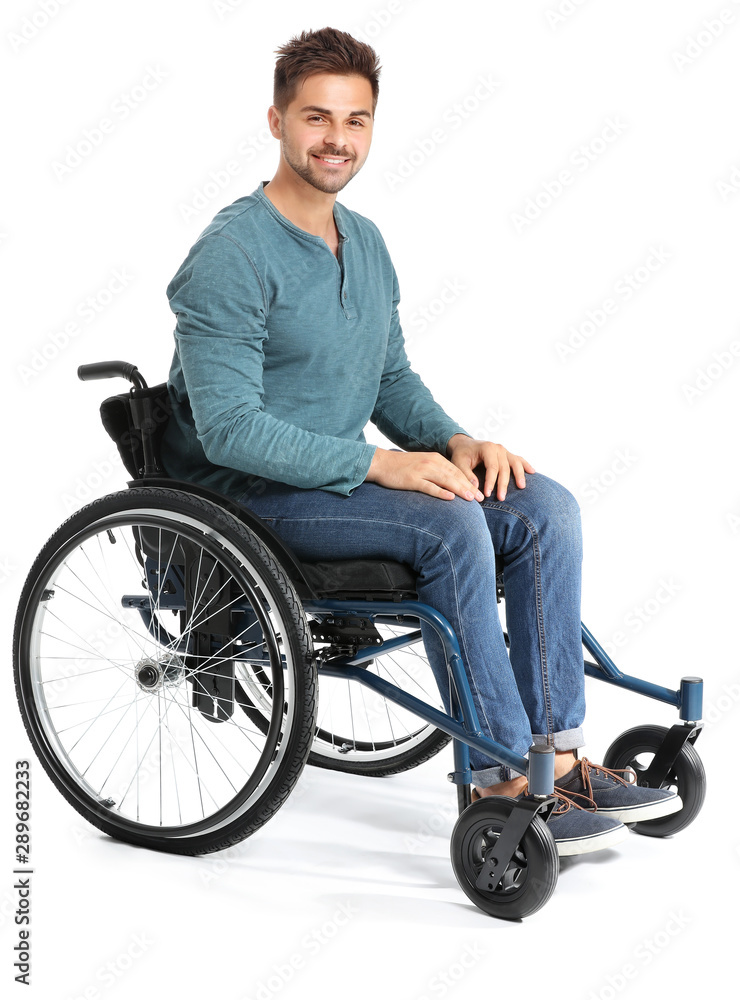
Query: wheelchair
[[177, 666]]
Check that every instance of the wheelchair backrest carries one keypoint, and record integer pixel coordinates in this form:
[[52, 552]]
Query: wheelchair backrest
[[131, 416]]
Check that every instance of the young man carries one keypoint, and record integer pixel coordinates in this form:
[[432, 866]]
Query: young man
[[287, 342]]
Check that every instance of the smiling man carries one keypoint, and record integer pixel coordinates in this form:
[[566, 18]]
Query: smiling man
[[288, 342]]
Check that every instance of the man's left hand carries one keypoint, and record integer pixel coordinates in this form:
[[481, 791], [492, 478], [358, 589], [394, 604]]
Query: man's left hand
[[467, 453]]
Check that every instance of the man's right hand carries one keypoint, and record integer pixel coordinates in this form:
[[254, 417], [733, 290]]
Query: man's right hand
[[423, 471]]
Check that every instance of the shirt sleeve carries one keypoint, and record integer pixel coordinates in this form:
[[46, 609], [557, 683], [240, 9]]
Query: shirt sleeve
[[405, 410], [221, 310]]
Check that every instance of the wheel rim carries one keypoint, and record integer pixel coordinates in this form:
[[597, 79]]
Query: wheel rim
[[112, 699], [479, 839]]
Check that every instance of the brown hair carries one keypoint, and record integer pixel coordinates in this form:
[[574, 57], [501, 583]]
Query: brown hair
[[324, 51]]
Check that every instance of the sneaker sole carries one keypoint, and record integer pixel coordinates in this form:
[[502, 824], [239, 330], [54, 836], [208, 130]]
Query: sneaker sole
[[651, 810], [593, 842]]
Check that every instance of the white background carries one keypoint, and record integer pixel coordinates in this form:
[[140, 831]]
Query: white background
[[652, 464]]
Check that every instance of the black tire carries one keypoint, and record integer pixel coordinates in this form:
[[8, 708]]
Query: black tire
[[686, 776], [532, 875], [249, 773]]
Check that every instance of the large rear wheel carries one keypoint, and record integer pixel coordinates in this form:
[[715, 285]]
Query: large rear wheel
[[133, 667]]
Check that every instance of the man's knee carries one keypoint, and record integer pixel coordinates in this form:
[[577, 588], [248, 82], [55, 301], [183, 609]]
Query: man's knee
[[555, 512], [543, 503], [558, 499], [462, 523], [545, 493]]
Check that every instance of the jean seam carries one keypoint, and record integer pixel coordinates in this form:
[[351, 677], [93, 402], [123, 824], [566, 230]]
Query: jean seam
[[500, 505]]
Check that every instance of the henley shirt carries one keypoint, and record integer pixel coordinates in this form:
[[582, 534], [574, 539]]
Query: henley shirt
[[284, 352]]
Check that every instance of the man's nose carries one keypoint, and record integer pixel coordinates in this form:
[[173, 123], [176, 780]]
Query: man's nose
[[333, 137]]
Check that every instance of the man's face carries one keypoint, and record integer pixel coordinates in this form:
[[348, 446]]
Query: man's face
[[331, 116]]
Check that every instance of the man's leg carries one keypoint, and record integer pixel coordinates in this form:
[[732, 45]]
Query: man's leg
[[537, 531], [449, 544]]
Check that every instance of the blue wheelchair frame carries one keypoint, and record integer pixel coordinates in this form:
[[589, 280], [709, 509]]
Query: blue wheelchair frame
[[464, 726]]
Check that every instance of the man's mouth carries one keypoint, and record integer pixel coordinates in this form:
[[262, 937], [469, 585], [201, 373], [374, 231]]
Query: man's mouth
[[332, 161]]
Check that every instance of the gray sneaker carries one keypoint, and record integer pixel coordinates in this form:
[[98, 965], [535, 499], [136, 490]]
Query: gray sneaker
[[579, 829], [616, 797]]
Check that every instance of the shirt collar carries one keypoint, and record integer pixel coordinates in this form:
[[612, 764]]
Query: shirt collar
[[338, 218]]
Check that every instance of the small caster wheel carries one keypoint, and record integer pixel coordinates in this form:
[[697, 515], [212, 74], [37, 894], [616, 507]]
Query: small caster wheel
[[532, 873], [636, 748]]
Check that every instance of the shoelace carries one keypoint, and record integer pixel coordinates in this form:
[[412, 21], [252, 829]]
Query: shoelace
[[565, 803], [567, 797], [586, 766]]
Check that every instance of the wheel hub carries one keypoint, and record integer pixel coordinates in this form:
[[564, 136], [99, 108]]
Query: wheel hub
[[154, 674]]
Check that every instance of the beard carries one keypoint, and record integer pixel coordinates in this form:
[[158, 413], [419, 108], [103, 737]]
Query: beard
[[327, 180]]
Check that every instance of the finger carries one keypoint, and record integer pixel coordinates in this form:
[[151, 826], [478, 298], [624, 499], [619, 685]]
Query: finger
[[503, 479], [491, 474], [457, 484], [517, 468], [466, 468], [466, 482], [436, 491]]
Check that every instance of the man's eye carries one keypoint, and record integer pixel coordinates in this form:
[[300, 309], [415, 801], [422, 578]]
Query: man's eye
[[354, 121]]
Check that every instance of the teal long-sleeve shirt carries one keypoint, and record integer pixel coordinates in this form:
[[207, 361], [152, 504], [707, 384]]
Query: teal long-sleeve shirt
[[284, 352]]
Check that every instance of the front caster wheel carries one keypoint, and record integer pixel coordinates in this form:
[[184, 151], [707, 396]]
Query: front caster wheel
[[636, 748], [532, 873]]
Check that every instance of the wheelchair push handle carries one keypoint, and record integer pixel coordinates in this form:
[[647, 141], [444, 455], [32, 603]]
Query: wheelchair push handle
[[112, 369]]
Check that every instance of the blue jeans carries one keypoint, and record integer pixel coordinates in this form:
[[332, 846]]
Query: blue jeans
[[526, 695]]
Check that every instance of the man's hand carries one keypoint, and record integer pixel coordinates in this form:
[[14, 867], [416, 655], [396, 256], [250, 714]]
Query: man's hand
[[466, 453], [423, 471]]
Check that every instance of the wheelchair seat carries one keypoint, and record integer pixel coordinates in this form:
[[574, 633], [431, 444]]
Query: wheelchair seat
[[383, 579]]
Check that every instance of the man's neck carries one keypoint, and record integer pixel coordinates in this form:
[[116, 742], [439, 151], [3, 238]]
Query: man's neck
[[307, 208]]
